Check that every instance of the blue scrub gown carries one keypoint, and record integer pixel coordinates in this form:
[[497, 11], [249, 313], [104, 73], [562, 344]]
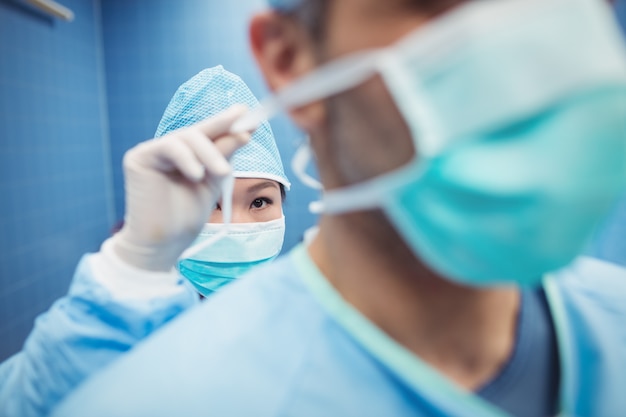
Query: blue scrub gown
[[284, 343], [79, 335]]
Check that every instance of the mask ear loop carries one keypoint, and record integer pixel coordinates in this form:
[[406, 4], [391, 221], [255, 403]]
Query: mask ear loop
[[227, 186], [326, 81], [299, 163]]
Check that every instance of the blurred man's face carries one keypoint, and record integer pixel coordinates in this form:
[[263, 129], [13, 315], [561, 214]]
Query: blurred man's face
[[360, 133], [366, 134], [353, 25]]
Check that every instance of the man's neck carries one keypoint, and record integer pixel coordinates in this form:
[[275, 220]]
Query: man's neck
[[466, 333]]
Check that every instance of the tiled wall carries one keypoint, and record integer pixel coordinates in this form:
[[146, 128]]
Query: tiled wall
[[610, 242], [620, 8], [54, 164]]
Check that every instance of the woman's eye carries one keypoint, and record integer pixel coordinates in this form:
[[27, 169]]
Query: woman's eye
[[217, 206], [259, 203]]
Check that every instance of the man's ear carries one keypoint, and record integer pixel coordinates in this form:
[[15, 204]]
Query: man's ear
[[284, 52], [281, 48]]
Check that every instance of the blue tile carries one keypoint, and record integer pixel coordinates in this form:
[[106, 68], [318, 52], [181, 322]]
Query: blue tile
[[51, 159]]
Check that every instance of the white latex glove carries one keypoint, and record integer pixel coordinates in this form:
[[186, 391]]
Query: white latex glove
[[172, 184]]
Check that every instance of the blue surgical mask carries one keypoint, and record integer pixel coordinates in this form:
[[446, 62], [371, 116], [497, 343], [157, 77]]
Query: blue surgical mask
[[241, 247], [516, 109]]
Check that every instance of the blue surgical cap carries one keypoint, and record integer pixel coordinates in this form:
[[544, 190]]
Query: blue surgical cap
[[210, 92], [284, 4]]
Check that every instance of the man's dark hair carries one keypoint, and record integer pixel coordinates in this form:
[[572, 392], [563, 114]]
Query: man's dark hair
[[312, 13]]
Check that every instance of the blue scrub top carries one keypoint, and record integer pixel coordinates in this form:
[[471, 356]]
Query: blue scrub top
[[532, 371], [284, 343]]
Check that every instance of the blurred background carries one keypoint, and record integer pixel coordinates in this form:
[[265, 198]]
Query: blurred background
[[74, 96]]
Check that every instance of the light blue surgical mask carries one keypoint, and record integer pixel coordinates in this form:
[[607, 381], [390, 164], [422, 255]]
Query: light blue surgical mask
[[240, 247], [516, 109]]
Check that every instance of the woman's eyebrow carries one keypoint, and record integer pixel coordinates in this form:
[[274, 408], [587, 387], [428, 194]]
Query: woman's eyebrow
[[260, 186]]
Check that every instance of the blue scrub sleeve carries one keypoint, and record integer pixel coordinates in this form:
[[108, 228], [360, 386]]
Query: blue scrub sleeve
[[80, 334]]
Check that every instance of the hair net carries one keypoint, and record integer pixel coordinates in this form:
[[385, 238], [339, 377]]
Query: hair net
[[210, 92]]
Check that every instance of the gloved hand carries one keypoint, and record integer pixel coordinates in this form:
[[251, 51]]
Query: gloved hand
[[172, 184]]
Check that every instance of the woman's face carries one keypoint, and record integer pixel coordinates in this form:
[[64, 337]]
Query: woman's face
[[254, 200]]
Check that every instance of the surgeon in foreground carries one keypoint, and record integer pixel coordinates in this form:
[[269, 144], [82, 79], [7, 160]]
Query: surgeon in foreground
[[467, 152]]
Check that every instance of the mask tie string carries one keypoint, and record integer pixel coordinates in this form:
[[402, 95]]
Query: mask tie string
[[227, 186]]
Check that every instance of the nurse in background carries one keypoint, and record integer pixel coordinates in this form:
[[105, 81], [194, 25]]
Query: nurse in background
[[258, 229], [81, 333]]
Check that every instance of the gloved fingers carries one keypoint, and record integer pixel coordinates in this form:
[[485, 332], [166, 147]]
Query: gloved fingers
[[219, 125], [227, 145], [189, 151], [175, 154], [217, 129], [206, 152]]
